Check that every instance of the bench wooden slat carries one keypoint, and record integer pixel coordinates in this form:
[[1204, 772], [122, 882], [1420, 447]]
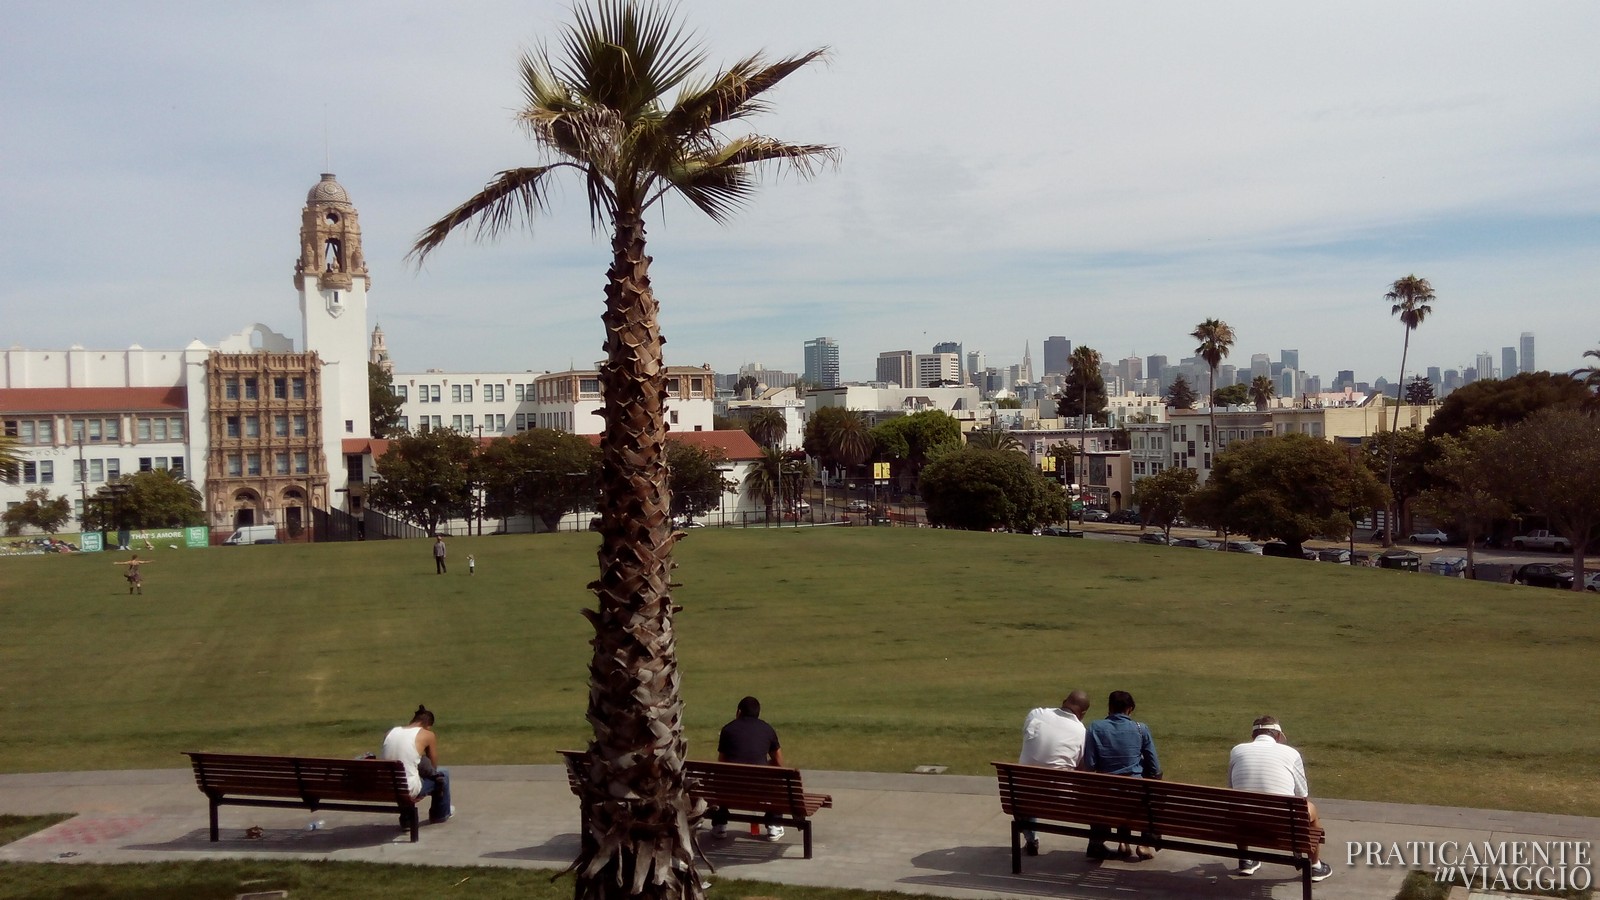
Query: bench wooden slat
[[356, 785]]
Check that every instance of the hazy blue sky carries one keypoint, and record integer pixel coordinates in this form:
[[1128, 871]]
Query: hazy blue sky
[[1112, 172]]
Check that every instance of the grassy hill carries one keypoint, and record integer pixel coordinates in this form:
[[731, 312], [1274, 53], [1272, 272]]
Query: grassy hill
[[877, 649]]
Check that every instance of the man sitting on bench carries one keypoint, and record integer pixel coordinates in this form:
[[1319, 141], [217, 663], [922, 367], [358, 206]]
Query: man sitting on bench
[[417, 749], [753, 742], [1268, 765]]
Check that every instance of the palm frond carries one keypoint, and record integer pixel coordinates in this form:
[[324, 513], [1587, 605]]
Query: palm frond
[[627, 56], [720, 181], [734, 93], [513, 194]]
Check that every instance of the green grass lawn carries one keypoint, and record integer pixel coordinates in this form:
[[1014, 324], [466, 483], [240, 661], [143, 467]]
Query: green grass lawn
[[876, 649]]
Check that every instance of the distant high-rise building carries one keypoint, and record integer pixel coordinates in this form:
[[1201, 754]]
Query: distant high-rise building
[[1155, 367], [961, 357], [1311, 385], [1469, 375], [935, 368], [1057, 355], [1025, 371], [1485, 366], [1131, 370], [1450, 380], [1227, 375], [1290, 359], [772, 378], [1435, 379], [822, 362], [898, 367], [977, 367], [1288, 383], [1260, 364], [1527, 354], [1508, 362], [1346, 379]]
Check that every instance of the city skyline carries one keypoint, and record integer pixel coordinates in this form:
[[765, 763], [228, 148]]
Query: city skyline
[[1237, 163]]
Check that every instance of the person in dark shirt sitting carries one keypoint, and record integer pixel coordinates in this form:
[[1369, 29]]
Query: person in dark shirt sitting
[[748, 740], [1117, 745]]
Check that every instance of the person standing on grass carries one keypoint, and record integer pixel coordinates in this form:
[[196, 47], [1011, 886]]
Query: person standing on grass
[[1117, 745], [1053, 737], [1268, 765], [438, 554], [416, 747], [748, 740], [132, 575]]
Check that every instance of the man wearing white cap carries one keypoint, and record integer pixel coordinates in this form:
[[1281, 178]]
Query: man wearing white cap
[[1267, 764]]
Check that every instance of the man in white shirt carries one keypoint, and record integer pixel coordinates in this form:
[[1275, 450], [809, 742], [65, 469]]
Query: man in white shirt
[[1053, 737], [1268, 765]]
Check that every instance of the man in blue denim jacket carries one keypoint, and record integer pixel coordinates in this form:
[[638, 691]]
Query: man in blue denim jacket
[[1117, 745]]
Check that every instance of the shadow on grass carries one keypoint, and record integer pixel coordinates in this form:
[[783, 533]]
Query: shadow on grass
[[1068, 873]]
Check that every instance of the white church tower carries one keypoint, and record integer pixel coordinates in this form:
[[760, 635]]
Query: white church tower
[[331, 276]]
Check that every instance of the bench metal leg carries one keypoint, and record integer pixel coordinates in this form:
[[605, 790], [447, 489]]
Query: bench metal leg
[[1016, 847], [805, 835], [214, 834], [413, 819], [1305, 880]]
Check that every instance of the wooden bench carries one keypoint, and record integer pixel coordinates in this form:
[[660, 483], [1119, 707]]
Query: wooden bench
[[1188, 817], [748, 793], [295, 782]]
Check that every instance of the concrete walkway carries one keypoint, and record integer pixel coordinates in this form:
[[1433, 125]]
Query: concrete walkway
[[928, 834]]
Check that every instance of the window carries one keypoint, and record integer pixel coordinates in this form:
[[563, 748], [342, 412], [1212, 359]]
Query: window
[[522, 421], [232, 426], [405, 423], [11, 428], [177, 464], [142, 429], [235, 464], [280, 426], [158, 429], [455, 422], [250, 392], [399, 391], [252, 426], [499, 422], [466, 393], [422, 393], [519, 393], [280, 463], [1208, 461], [1191, 448], [349, 426], [252, 464], [592, 386], [22, 431], [697, 386], [672, 386], [113, 469], [144, 464], [77, 471], [302, 463], [437, 422], [280, 388], [499, 392], [467, 420], [46, 432], [94, 430], [97, 470], [455, 393], [47, 472], [230, 389], [299, 426], [433, 391], [297, 388], [113, 429]]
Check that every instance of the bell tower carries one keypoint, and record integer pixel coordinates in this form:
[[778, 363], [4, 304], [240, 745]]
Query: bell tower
[[331, 276]]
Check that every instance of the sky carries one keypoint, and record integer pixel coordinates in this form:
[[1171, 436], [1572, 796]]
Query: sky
[[1110, 172]]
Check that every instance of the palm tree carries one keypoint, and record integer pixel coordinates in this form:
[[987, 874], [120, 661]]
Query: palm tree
[[601, 112], [1410, 297], [765, 480], [1591, 376], [848, 440], [1083, 367], [993, 439], [1216, 339], [767, 426], [1262, 390]]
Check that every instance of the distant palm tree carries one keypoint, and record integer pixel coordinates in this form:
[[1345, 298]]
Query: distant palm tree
[[1083, 367], [1590, 374], [601, 110], [1216, 339], [1262, 390], [1410, 297], [764, 481], [767, 426], [849, 440], [993, 439]]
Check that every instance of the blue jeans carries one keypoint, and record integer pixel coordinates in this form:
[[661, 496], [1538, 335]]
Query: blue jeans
[[439, 789]]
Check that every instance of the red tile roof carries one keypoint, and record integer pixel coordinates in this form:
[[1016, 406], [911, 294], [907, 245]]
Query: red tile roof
[[93, 399], [734, 445]]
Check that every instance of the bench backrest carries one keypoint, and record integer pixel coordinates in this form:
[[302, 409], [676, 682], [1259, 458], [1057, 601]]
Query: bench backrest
[[733, 785], [307, 778], [1171, 809]]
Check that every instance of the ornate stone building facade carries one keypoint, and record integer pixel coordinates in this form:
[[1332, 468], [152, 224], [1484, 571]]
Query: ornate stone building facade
[[267, 463]]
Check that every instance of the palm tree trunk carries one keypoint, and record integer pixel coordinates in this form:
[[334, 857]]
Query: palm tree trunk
[[1212, 406], [638, 842], [1394, 442]]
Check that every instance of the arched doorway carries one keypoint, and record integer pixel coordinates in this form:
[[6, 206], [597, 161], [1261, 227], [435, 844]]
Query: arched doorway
[[1116, 501], [293, 501], [248, 509]]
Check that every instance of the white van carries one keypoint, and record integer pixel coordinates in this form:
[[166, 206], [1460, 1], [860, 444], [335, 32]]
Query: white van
[[253, 534]]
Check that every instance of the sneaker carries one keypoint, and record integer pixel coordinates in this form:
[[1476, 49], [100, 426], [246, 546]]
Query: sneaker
[[1031, 848], [1248, 866], [1321, 871], [719, 830], [773, 833]]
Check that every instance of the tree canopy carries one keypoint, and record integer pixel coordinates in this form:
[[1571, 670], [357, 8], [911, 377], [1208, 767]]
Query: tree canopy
[[157, 498], [1550, 462], [37, 510], [1504, 402], [383, 403], [767, 426], [1290, 487], [980, 489], [426, 478], [1181, 395], [541, 472], [1237, 394], [697, 480], [1465, 490], [1084, 394], [1161, 497], [915, 439]]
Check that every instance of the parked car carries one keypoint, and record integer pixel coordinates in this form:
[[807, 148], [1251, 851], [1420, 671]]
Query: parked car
[[1195, 543], [1545, 575], [1592, 583], [858, 506], [1123, 517], [1431, 536], [1059, 531], [1153, 537], [1243, 547], [1281, 550], [1337, 555], [1095, 515]]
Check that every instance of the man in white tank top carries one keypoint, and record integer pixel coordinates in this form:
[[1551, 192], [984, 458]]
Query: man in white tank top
[[416, 748]]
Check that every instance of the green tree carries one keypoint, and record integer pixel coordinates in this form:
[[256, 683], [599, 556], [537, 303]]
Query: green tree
[[777, 479], [1465, 492], [542, 472], [980, 489], [1161, 497], [1083, 395], [1590, 378], [1262, 390], [1290, 487], [1420, 391], [1550, 462], [1216, 340], [602, 112], [156, 498], [915, 440], [993, 439], [1181, 395], [1007, 403], [37, 510], [838, 437], [745, 388], [1411, 451], [767, 426], [1504, 402], [1236, 394], [696, 479], [1411, 298], [426, 478], [383, 402]]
